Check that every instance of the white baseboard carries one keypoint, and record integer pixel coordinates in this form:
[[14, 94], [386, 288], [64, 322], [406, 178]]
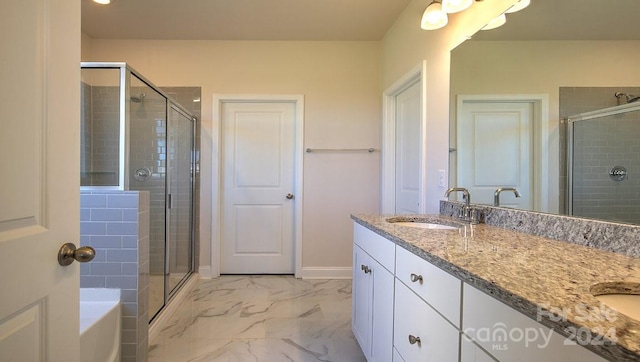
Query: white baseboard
[[326, 273], [171, 308], [205, 272]]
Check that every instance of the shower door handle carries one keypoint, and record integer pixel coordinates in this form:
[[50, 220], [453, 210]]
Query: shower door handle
[[169, 202]]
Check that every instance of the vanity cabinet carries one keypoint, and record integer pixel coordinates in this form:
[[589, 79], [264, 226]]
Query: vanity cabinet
[[470, 352], [509, 335], [407, 309], [420, 333], [427, 310], [373, 285]]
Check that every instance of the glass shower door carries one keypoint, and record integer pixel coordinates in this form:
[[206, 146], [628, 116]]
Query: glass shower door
[[147, 172], [604, 166], [180, 204]]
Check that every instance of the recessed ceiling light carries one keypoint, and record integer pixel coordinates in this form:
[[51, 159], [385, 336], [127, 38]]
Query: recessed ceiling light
[[102, 2]]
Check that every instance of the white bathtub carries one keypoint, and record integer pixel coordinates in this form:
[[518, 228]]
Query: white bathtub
[[99, 325]]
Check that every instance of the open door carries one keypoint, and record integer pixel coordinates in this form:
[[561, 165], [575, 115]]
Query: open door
[[39, 197]]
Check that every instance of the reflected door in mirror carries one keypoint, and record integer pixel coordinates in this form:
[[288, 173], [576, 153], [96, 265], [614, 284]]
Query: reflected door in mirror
[[495, 149]]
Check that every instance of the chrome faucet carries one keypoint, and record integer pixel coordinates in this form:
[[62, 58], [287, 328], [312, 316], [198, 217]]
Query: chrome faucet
[[496, 195], [467, 213], [465, 194]]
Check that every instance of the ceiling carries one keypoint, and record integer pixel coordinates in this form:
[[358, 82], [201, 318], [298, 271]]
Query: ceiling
[[326, 20], [570, 20], [341, 20]]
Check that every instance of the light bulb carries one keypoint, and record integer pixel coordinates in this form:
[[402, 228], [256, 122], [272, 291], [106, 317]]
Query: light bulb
[[102, 2], [518, 6], [454, 6], [497, 22], [433, 17]]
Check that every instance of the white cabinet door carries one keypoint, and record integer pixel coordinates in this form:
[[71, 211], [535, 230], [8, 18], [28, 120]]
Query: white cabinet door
[[470, 352], [361, 300], [373, 285], [420, 333], [382, 313], [511, 336]]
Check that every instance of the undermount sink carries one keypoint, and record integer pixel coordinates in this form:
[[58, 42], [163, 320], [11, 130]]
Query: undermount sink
[[627, 304], [623, 297], [426, 223]]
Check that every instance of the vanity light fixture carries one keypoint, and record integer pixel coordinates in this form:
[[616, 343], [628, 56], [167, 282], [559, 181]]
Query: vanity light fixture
[[102, 2], [454, 6], [518, 6], [434, 17], [495, 23]]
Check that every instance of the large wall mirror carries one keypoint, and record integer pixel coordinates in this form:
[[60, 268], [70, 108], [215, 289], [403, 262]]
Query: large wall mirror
[[514, 90]]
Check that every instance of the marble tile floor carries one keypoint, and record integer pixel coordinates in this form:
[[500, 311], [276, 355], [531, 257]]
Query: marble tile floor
[[261, 318]]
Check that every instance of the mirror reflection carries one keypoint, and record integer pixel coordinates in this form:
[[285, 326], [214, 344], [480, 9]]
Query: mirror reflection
[[515, 92]]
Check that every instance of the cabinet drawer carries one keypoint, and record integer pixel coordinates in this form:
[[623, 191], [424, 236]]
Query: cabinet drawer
[[469, 352], [511, 336], [381, 249], [413, 317], [434, 285]]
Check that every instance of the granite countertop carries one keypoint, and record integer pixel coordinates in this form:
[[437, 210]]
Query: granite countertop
[[537, 276]]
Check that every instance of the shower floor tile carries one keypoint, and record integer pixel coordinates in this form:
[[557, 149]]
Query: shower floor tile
[[261, 318]]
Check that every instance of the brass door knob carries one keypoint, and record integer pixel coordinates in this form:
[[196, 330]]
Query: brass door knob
[[68, 253]]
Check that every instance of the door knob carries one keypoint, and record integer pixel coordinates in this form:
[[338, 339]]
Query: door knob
[[68, 253], [289, 196]]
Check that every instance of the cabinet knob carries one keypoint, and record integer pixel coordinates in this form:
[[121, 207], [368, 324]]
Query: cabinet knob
[[414, 340], [416, 278], [365, 269]]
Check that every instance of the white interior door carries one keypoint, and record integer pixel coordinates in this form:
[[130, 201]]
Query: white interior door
[[257, 223], [495, 149], [408, 105], [40, 184]]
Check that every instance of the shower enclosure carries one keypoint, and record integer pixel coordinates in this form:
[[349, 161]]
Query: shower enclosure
[[603, 158], [135, 137]]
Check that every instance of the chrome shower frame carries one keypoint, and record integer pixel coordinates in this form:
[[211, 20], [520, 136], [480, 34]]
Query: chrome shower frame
[[124, 154], [570, 121], [125, 94]]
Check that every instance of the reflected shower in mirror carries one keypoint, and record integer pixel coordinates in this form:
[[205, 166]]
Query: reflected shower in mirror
[[511, 87]]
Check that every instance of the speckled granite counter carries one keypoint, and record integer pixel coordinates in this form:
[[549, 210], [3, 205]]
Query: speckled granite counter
[[529, 273]]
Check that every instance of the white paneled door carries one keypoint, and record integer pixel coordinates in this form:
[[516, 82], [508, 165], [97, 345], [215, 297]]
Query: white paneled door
[[257, 224], [495, 149], [39, 187], [408, 106]]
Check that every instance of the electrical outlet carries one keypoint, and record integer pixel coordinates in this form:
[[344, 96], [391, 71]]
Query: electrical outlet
[[442, 178]]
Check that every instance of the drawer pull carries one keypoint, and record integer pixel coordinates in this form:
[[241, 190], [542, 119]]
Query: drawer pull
[[365, 269], [414, 340], [416, 278]]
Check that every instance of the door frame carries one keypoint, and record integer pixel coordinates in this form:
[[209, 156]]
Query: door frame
[[216, 169], [541, 143], [388, 166]]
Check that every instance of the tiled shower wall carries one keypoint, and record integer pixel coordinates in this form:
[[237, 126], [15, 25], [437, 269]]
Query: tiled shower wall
[[99, 156], [116, 224], [100, 132], [598, 146]]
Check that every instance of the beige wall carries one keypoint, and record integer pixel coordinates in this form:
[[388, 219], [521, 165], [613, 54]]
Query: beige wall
[[341, 85], [406, 45], [542, 67]]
